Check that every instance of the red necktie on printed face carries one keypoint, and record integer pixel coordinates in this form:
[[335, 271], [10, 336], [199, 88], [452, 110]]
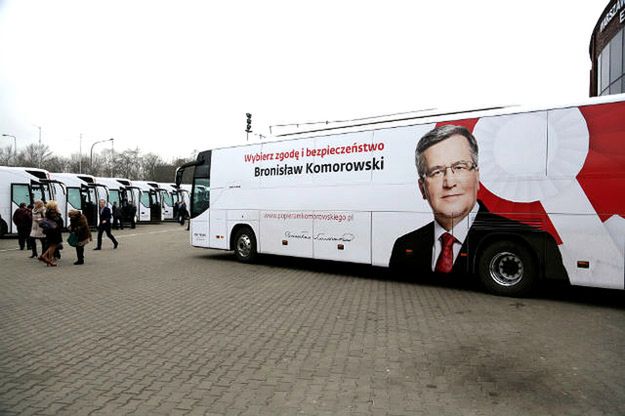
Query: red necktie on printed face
[[445, 261]]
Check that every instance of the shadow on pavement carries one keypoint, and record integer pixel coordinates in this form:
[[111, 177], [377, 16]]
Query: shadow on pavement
[[547, 290]]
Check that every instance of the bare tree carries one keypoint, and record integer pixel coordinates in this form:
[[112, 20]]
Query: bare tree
[[150, 162], [128, 164], [106, 157], [33, 155], [55, 164], [76, 165], [6, 156]]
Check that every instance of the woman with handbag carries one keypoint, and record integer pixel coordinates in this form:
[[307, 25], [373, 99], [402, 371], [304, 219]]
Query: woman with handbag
[[80, 235], [52, 225], [36, 232]]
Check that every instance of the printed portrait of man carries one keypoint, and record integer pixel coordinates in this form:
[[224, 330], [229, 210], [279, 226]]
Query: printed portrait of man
[[449, 179]]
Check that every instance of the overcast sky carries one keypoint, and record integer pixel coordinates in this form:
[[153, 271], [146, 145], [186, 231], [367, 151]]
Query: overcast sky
[[174, 77]]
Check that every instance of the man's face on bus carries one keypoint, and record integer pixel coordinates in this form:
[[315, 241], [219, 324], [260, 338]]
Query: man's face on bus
[[102, 203], [451, 181]]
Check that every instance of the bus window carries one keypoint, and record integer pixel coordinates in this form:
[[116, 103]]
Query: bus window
[[73, 198], [92, 196], [201, 196], [114, 196], [41, 192], [47, 188], [167, 199], [145, 199], [19, 194]]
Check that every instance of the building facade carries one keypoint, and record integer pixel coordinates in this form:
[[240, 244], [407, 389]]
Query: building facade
[[607, 46]]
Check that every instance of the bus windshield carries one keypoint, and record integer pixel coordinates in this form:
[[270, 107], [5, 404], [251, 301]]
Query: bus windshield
[[114, 196], [167, 199], [41, 192]]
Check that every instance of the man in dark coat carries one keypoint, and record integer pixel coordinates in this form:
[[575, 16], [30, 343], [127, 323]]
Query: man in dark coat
[[118, 222], [23, 219], [105, 225], [446, 159]]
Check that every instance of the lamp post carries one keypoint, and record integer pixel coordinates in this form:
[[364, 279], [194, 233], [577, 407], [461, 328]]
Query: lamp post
[[40, 148], [14, 146], [91, 153]]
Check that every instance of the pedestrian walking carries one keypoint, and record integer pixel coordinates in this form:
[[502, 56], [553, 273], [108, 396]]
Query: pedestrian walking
[[80, 229], [22, 217], [36, 232], [52, 225], [105, 225]]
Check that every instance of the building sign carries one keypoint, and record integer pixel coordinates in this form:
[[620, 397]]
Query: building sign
[[618, 9]]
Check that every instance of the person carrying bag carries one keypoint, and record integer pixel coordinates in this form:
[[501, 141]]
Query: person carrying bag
[[80, 235]]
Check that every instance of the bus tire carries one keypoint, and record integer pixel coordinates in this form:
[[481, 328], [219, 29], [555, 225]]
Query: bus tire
[[507, 268], [245, 245]]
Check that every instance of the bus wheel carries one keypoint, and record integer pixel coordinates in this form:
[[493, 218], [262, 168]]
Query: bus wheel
[[245, 245], [507, 268]]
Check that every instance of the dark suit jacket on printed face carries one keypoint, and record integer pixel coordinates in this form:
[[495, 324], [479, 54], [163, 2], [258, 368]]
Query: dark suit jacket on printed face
[[412, 252]]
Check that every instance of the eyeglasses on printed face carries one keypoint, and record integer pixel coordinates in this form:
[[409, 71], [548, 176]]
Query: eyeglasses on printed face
[[460, 168]]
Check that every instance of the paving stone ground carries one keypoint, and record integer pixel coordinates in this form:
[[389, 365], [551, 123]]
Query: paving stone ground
[[157, 327]]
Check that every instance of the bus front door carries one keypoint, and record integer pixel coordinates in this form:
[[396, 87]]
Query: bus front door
[[155, 207], [20, 193], [89, 206]]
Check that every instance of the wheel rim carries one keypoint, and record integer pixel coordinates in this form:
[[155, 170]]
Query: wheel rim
[[506, 269], [244, 245]]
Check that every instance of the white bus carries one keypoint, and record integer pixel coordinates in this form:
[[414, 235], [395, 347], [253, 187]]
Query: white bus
[[535, 194], [148, 195], [125, 194], [21, 185], [171, 197], [82, 193]]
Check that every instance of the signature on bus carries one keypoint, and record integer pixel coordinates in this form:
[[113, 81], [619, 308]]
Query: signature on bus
[[305, 235]]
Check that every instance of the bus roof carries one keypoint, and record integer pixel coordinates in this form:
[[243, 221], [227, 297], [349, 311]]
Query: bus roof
[[36, 172], [425, 117], [74, 179], [114, 183]]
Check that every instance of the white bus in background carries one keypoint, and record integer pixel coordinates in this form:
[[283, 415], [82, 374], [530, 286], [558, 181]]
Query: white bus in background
[[125, 194], [82, 194], [21, 185], [169, 197], [148, 195], [547, 195]]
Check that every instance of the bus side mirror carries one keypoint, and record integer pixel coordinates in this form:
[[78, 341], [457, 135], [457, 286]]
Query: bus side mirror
[[181, 169], [179, 173]]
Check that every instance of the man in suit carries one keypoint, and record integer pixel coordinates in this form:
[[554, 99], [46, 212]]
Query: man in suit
[[105, 225], [449, 179]]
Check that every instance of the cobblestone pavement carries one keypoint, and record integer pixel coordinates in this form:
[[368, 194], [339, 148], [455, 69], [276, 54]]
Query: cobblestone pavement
[[158, 327]]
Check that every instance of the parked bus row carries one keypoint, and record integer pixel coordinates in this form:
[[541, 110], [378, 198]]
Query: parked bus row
[[138, 201]]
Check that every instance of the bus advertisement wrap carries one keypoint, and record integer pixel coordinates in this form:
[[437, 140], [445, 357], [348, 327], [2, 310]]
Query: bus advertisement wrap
[[550, 181]]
